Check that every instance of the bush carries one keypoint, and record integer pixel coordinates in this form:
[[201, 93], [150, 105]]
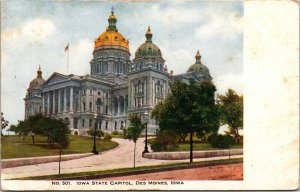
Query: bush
[[99, 133], [115, 132], [107, 136], [168, 139], [220, 141], [156, 146]]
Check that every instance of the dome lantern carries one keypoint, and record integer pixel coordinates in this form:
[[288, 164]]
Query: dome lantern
[[149, 35], [198, 57], [39, 72], [112, 20]]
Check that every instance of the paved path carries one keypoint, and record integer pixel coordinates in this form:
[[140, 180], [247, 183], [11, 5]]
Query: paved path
[[120, 157]]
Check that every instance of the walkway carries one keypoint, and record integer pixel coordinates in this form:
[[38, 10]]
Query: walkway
[[120, 157]]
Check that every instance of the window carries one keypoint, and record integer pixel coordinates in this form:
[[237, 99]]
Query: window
[[122, 125], [91, 106], [106, 125], [82, 122], [99, 93], [84, 92], [116, 125], [106, 95], [91, 91], [90, 122], [106, 109], [83, 106]]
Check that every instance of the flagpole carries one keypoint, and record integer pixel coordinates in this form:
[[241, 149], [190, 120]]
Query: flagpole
[[68, 59]]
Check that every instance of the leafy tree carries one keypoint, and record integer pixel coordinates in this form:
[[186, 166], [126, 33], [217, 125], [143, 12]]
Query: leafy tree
[[4, 123], [99, 133], [20, 129], [134, 131], [190, 108], [231, 112]]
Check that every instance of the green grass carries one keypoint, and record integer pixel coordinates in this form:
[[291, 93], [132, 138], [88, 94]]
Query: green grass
[[13, 147], [197, 146], [122, 170]]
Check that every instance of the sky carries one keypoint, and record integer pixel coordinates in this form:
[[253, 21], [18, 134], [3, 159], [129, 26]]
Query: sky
[[36, 32]]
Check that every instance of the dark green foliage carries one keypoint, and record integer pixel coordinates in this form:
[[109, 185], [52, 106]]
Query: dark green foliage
[[231, 113], [56, 130], [166, 139], [99, 133], [189, 109], [107, 136], [220, 141], [156, 146]]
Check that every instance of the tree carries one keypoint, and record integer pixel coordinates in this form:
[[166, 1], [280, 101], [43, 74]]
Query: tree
[[134, 131], [231, 112], [20, 129], [4, 123], [190, 108]]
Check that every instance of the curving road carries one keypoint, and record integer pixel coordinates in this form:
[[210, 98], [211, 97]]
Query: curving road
[[120, 157]]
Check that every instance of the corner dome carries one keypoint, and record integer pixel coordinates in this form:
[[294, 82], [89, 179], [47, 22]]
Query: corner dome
[[111, 36], [38, 81], [198, 68], [148, 49]]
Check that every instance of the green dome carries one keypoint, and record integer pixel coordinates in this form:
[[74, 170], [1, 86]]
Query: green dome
[[198, 67], [148, 49]]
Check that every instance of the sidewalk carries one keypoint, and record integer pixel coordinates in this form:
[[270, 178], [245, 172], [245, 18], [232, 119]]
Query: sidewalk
[[120, 157]]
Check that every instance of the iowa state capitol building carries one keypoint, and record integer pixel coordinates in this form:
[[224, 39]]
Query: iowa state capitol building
[[115, 88]]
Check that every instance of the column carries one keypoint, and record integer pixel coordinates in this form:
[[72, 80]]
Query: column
[[48, 103], [59, 101], [87, 100], [65, 100], [53, 102], [71, 99], [43, 105]]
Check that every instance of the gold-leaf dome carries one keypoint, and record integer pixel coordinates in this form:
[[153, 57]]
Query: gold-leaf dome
[[111, 36]]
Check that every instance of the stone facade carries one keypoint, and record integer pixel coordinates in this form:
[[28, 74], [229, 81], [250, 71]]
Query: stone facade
[[115, 88]]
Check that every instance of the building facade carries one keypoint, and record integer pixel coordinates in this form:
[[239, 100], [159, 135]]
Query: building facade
[[115, 87]]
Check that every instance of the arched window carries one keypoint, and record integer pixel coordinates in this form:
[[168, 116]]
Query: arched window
[[98, 103], [115, 105], [122, 104]]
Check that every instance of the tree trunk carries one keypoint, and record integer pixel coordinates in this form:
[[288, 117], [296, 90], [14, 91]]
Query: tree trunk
[[191, 146], [32, 139], [59, 161], [134, 155]]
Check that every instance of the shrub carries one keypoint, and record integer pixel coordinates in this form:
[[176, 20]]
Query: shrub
[[115, 132], [107, 136], [156, 146], [220, 141], [99, 133], [168, 139]]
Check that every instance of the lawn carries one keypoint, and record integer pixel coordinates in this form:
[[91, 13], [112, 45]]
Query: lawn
[[13, 147], [197, 146]]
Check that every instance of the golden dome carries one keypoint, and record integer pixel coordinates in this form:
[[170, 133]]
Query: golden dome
[[111, 38]]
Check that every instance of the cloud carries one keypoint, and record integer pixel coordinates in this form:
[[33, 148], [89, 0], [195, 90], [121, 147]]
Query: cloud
[[224, 82], [225, 26], [175, 16], [35, 30]]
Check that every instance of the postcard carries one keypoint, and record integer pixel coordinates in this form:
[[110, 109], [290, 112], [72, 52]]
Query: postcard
[[150, 95]]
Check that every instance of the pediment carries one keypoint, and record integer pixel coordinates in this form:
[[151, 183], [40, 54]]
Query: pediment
[[55, 78]]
